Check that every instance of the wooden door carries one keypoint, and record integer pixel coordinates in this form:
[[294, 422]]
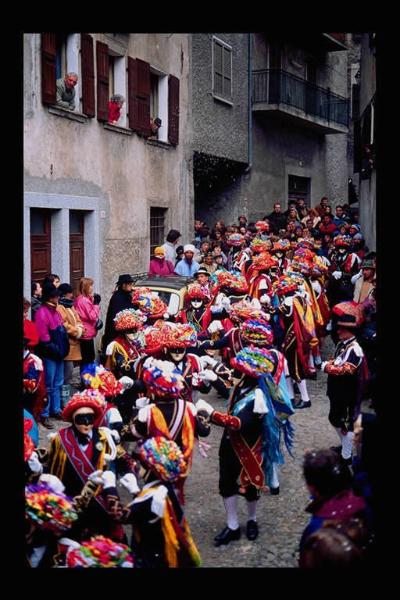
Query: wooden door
[[40, 244], [76, 247]]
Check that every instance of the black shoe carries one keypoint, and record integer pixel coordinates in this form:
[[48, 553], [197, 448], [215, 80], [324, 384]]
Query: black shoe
[[46, 423], [274, 491], [346, 461], [302, 405], [252, 530], [57, 417], [227, 535]]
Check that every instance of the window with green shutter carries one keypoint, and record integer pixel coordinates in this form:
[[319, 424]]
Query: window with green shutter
[[222, 70]]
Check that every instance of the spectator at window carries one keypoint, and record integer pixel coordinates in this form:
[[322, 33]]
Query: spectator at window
[[159, 265], [155, 125], [36, 291], [170, 245], [65, 91], [114, 108]]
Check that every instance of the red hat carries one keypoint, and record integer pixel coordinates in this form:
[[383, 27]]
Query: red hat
[[281, 246], [129, 319], [86, 399], [262, 226], [264, 261], [342, 241], [348, 314], [195, 291]]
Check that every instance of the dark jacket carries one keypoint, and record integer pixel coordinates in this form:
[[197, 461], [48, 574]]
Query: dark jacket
[[35, 305], [120, 300], [277, 221]]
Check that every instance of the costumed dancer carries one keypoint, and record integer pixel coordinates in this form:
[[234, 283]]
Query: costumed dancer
[[169, 414], [344, 264], [347, 375], [196, 312], [34, 387], [78, 451], [299, 336], [250, 446], [122, 355], [150, 304]]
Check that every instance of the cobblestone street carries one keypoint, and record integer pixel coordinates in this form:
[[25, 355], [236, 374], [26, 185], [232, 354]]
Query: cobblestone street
[[281, 518]]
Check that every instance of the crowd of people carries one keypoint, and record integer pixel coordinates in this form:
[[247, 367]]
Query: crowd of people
[[261, 300]]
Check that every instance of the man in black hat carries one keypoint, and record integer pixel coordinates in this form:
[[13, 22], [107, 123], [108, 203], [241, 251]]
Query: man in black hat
[[120, 300]]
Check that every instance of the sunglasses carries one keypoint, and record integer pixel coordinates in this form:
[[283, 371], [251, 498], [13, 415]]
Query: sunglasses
[[84, 419]]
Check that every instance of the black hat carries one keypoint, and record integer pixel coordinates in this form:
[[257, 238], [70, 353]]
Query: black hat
[[65, 288], [202, 271], [50, 291], [126, 278], [158, 121]]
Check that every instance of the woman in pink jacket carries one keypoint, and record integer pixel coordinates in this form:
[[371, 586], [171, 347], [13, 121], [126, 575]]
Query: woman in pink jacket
[[159, 265], [89, 313]]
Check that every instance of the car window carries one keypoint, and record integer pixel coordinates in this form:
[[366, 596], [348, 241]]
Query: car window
[[171, 299]]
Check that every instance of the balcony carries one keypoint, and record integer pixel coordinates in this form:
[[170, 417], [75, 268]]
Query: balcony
[[282, 94]]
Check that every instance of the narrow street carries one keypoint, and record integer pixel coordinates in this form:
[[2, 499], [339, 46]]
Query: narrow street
[[281, 518]]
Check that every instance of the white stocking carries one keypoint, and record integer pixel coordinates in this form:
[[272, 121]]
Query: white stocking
[[231, 511], [347, 444], [274, 479], [251, 510], [290, 387], [303, 390]]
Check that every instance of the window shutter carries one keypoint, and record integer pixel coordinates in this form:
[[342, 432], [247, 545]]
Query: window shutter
[[357, 146], [132, 89], [143, 96], [48, 50], [173, 110], [87, 59], [102, 81]]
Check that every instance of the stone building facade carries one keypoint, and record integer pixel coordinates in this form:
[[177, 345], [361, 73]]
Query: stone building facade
[[97, 196], [291, 95]]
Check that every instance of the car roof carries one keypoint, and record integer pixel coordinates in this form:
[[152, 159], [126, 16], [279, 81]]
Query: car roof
[[175, 283]]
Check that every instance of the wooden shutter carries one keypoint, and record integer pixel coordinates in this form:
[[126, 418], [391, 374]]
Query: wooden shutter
[[48, 51], [143, 96], [173, 110], [102, 81], [132, 89], [87, 60]]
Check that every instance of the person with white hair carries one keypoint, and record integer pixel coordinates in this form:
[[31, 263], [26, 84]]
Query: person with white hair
[[65, 89]]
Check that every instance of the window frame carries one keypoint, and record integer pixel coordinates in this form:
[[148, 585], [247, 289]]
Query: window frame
[[162, 102], [162, 237], [215, 40], [117, 69]]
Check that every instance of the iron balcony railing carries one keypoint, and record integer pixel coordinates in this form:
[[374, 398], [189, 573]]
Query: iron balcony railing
[[274, 86]]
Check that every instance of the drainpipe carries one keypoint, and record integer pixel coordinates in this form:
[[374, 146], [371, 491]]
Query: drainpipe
[[250, 114]]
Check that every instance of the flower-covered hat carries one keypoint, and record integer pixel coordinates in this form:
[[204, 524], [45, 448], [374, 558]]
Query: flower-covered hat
[[87, 399], [162, 378], [129, 320], [100, 551], [244, 309], [164, 457], [99, 378], [348, 314], [195, 291], [148, 302], [235, 239], [49, 510], [257, 332], [253, 361]]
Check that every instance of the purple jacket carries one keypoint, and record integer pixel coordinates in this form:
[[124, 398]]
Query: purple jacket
[[161, 267], [89, 313], [47, 317]]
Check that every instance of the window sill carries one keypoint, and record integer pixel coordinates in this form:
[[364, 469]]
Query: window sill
[[68, 114], [224, 100], [160, 144], [117, 129]]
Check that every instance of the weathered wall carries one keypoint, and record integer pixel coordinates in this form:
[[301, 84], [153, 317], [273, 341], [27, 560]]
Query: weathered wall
[[130, 175], [220, 129]]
